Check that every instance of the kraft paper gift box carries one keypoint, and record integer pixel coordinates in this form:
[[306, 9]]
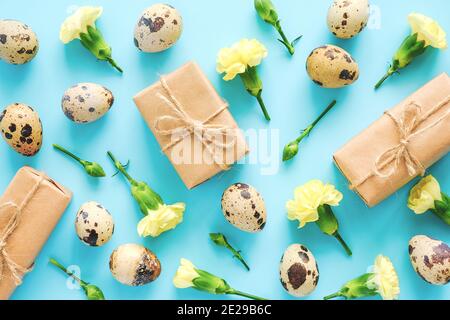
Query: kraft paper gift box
[[400, 145], [29, 211], [192, 124]]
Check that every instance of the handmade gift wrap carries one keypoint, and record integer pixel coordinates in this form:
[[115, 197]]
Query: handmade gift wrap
[[192, 124], [400, 145], [29, 210]]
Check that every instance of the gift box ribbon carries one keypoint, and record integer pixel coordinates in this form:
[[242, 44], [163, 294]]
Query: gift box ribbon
[[202, 130], [16, 270], [407, 125]]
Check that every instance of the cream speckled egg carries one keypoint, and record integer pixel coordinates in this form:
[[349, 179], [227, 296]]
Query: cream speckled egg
[[299, 273], [430, 259], [94, 224], [134, 265], [86, 102], [244, 207], [332, 67], [158, 28], [347, 18], [18, 43], [21, 128]]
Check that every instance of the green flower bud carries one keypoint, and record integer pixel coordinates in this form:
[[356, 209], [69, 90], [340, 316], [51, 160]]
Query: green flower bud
[[410, 49], [290, 151], [266, 10], [93, 292], [145, 197], [93, 169], [210, 283], [329, 225]]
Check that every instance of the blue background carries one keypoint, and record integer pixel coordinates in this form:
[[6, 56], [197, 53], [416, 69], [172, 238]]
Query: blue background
[[293, 102]]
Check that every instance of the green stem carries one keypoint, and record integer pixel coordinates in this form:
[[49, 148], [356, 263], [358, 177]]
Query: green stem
[[385, 77], [120, 167], [285, 41], [332, 296], [114, 64], [308, 130], [67, 152], [238, 256], [64, 269], [243, 294], [263, 106], [342, 242]]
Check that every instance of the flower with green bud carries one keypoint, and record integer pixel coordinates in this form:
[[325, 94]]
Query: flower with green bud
[[92, 168], [158, 216], [81, 25], [267, 11], [291, 149], [425, 33], [188, 276], [92, 292], [221, 240]]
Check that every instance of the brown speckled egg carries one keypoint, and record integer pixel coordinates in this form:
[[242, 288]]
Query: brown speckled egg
[[347, 18], [94, 224], [158, 28], [299, 273], [18, 43], [244, 207], [332, 67], [430, 259], [134, 265], [86, 102], [21, 128]]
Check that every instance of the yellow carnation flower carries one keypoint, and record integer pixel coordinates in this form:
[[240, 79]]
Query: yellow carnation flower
[[235, 60], [308, 198], [384, 279], [185, 275], [165, 218], [423, 195], [428, 30], [78, 23]]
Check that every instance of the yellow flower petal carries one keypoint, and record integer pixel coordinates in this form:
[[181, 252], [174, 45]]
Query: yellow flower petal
[[78, 23], [428, 30], [423, 195], [165, 218], [235, 60], [308, 198], [185, 274], [385, 280]]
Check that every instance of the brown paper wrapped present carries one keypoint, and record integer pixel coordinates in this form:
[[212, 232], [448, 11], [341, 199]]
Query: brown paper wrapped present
[[192, 124], [29, 210], [400, 145]]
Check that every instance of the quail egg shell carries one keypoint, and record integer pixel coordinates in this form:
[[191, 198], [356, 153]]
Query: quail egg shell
[[299, 273], [430, 259], [332, 67], [244, 207], [134, 265], [347, 18], [21, 128], [86, 102], [18, 43], [158, 28], [94, 224]]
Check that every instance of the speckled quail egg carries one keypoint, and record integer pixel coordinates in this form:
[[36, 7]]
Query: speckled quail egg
[[94, 224], [244, 207], [332, 67], [158, 28], [347, 18], [86, 102], [18, 43], [21, 128], [430, 259], [299, 273], [134, 265]]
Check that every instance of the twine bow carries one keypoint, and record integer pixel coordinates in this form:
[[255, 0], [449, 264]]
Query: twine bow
[[202, 130], [388, 163], [17, 271]]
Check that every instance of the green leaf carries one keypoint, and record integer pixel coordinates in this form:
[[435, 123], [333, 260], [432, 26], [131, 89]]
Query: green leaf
[[327, 222]]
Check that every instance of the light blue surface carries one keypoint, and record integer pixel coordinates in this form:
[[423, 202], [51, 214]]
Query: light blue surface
[[293, 101]]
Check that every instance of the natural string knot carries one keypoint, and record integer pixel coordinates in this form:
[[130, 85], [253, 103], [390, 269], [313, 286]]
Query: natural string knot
[[206, 133]]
